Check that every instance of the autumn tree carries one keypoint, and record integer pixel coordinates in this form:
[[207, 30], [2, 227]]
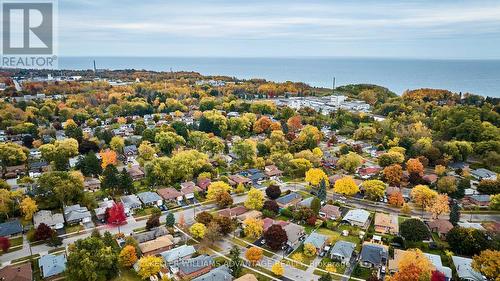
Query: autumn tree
[[350, 162], [127, 256], [153, 221], [415, 169], [309, 250], [423, 196], [396, 199], [43, 232], [204, 217], [447, 184], [198, 230], [168, 141], [224, 199], [216, 188], [149, 266], [253, 227], [390, 158], [488, 263], [413, 265], [495, 202], [273, 191], [117, 144], [108, 157], [278, 269], [440, 170], [4, 244], [294, 123], [253, 255], [439, 206], [116, 214], [315, 175], [255, 199], [346, 185], [275, 237], [374, 189], [393, 174], [28, 208]]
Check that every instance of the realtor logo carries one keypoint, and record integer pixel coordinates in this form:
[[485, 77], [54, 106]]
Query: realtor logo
[[28, 33]]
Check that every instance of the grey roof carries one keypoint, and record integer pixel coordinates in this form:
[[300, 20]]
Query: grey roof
[[483, 173], [343, 249], [357, 215], [306, 202], [130, 149], [194, 264], [76, 212], [436, 261], [48, 218], [288, 198], [481, 197], [374, 254], [130, 201], [464, 269], [318, 240], [221, 273], [9, 228], [148, 197], [178, 253], [51, 265], [150, 235]]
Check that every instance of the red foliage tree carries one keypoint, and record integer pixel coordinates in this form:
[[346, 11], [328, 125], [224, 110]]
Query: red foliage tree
[[116, 214], [43, 232], [272, 206], [4, 244], [438, 276], [311, 220], [273, 191], [275, 237]]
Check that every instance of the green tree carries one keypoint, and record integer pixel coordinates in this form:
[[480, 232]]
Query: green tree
[[110, 179], [170, 220], [168, 141], [322, 190], [126, 183], [59, 188], [414, 230], [236, 264], [315, 205], [89, 165], [454, 214]]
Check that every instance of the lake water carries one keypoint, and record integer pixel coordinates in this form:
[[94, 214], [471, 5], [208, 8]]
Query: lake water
[[474, 76]]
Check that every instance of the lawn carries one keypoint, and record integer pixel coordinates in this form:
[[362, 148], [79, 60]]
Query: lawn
[[15, 244], [339, 267], [361, 272], [73, 228], [127, 275], [259, 276], [144, 212]]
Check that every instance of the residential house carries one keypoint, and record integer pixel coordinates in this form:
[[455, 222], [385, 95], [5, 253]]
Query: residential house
[[434, 259], [254, 214], [369, 172], [149, 198], [430, 178], [233, 212], [91, 184], [482, 200], [235, 180], [357, 217], [318, 240], [150, 234], [130, 203], [130, 151], [294, 233], [157, 245], [176, 254], [14, 171], [135, 173], [203, 183], [100, 211], [474, 225], [77, 214], [52, 220], [385, 223], [441, 227], [330, 212], [342, 251], [188, 189], [290, 199], [18, 272], [170, 194], [306, 202], [268, 222], [373, 255], [52, 265], [484, 174], [458, 165], [194, 267], [465, 270], [273, 172], [221, 273], [11, 228]]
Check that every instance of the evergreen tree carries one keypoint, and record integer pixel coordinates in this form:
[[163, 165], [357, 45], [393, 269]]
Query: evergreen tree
[[454, 214], [322, 190], [170, 220], [89, 165], [126, 181], [236, 262], [463, 184], [110, 178]]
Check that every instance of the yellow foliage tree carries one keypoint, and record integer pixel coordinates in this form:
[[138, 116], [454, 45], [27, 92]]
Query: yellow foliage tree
[[374, 189], [299, 257], [406, 209], [488, 263], [422, 195], [253, 255], [28, 208], [127, 256], [439, 206], [309, 250], [149, 266], [216, 188], [346, 185], [317, 152], [315, 175], [415, 257], [255, 199], [278, 269], [440, 170], [240, 188], [198, 230], [253, 227], [331, 268]]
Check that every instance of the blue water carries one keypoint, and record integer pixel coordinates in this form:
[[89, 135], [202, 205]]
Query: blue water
[[474, 76]]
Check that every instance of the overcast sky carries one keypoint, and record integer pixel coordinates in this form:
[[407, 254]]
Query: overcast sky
[[233, 28]]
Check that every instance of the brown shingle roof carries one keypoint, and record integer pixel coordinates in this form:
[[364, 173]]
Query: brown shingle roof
[[169, 193]]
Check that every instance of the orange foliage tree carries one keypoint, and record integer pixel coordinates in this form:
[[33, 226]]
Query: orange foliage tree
[[107, 157]]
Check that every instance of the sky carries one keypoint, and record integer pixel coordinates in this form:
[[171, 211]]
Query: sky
[[215, 28]]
